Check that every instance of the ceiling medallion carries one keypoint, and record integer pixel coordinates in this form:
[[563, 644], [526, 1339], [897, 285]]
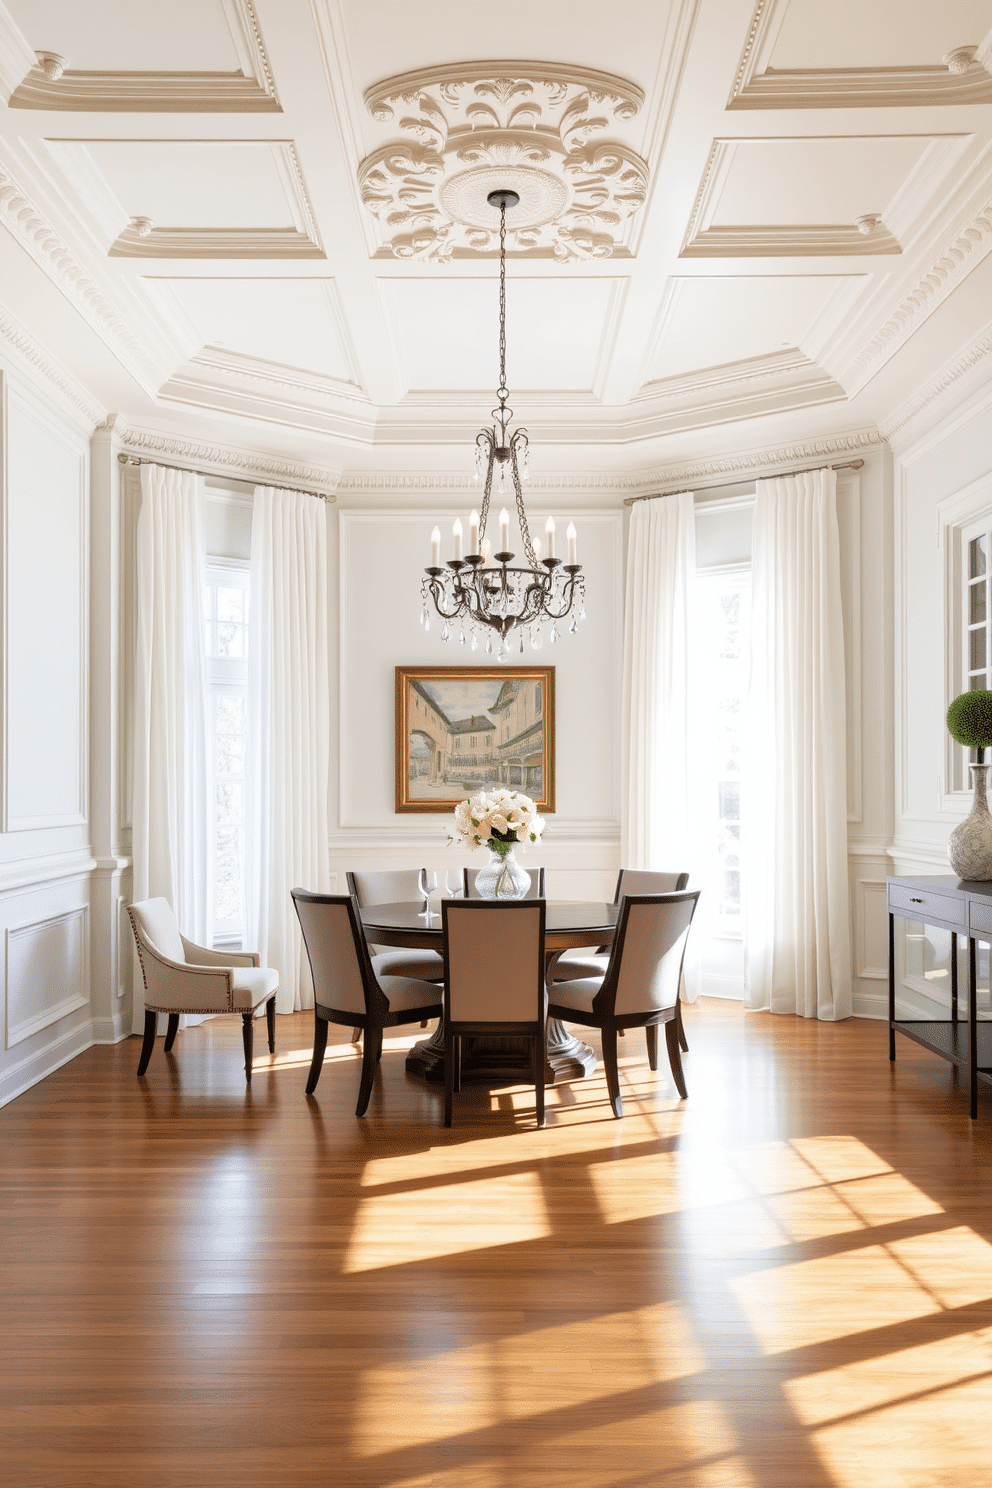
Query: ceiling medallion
[[480, 592], [527, 127]]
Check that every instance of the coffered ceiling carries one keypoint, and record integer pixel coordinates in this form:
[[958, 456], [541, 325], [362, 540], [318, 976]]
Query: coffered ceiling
[[262, 223]]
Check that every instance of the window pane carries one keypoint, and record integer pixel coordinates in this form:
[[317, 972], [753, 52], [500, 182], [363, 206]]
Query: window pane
[[230, 604], [228, 803], [230, 640], [230, 755], [976, 557], [976, 612], [976, 645], [231, 713]]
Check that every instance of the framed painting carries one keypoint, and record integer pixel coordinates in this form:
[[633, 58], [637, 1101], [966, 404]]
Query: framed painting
[[460, 729]]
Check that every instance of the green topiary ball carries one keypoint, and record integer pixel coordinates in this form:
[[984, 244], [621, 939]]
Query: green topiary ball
[[969, 720]]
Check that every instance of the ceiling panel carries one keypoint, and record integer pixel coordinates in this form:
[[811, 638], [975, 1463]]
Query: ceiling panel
[[716, 321], [813, 180], [182, 36], [290, 322], [446, 334], [884, 33]]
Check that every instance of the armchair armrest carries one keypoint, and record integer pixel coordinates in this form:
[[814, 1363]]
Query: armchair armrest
[[201, 956]]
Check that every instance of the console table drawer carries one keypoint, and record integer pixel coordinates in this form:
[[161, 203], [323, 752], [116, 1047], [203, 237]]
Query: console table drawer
[[927, 907], [980, 916]]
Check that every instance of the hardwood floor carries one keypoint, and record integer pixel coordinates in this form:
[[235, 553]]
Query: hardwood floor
[[783, 1282]]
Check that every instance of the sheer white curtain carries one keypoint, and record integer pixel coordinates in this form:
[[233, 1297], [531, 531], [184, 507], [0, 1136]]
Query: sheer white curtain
[[794, 827], [170, 808], [657, 789], [289, 729]]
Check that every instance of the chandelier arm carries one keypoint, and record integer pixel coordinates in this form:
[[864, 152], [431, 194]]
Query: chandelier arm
[[489, 440], [521, 514], [438, 591]]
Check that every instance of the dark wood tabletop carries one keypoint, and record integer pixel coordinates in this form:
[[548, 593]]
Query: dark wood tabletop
[[568, 924]]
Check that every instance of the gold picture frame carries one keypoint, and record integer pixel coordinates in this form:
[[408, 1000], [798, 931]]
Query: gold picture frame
[[461, 729]]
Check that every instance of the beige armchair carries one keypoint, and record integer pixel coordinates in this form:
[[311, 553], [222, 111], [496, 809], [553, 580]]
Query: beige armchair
[[181, 977]]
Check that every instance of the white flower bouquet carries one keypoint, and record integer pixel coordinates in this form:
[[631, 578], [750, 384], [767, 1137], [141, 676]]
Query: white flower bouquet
[[497, 819]]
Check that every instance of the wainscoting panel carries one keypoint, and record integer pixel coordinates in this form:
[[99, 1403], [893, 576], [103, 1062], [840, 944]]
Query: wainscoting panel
[[46, 967]]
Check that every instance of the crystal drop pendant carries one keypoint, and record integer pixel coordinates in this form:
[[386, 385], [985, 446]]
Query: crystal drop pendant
[[461, 637], [521, 643], [445, 633], [574, 626], [427, 622], [423, 615], [536, 639], [582, 613], [554, 635], [489, 645], [475, 641]]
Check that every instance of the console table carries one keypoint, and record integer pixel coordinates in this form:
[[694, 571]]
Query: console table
[[964, 908]]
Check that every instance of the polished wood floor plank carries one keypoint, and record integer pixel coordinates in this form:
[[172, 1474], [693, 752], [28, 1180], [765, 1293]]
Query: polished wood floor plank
[[785, 1280]]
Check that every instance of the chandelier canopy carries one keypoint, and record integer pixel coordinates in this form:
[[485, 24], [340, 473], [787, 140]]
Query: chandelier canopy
[[483, 592]]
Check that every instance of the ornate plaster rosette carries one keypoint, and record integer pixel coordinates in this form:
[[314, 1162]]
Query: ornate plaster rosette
[[529, 127]]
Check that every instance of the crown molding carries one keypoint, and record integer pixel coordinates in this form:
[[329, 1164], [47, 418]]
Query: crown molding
[[758, 86], [24, 221], [214, 242], [902, 425], [215, 459], [968, 250], [45, 369], [252, 90]]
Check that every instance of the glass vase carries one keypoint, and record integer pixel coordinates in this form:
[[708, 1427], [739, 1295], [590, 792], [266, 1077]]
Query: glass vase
[[502, 877]]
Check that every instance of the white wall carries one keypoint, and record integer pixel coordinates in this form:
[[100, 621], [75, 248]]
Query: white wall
[[380, 556], [45, 856]]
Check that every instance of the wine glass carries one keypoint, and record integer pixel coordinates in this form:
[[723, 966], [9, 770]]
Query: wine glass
[[454, 890], [427, 883]]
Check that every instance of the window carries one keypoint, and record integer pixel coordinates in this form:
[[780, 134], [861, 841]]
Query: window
[[721, 669], [226, 609], [977, 654]]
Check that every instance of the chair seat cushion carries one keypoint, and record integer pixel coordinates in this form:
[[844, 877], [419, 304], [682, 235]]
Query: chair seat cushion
[[424, 966], [577, 995], [253, 985], [575, 968], [405, 993]]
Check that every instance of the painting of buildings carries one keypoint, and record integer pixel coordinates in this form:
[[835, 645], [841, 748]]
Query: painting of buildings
[[460, 729]]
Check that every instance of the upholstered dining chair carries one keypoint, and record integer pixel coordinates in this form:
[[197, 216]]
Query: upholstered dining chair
[[640, 987], [536, 890], [181, 977], [574, 965], [348, 989], [395, 887], [493, 981]]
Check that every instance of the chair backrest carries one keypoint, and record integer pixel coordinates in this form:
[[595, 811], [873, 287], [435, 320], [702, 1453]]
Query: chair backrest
[[639, 881], [646, 961], [536, 890], [335, 945], [155, 923], [494, 960], [393, 886]]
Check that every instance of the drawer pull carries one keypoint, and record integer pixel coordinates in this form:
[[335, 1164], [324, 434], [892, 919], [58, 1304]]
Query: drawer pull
[[915, 901]]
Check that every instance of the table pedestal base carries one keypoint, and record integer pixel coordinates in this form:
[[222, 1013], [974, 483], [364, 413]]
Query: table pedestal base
[[502, 1059]]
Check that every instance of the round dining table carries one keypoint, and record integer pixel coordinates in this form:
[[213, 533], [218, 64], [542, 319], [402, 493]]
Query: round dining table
[[499, 1058]]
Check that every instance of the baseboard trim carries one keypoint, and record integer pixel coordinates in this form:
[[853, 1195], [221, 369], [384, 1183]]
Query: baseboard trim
[[44, 1062], [111, 1030]]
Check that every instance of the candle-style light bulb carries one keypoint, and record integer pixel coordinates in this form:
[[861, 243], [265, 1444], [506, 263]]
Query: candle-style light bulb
[[549, 530], [473, 532], [436, 548], [537, 551], [504, 531], [456, 532], [486, 552], [571, 535]]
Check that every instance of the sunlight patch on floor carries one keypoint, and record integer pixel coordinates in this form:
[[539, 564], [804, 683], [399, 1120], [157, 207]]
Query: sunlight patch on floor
[[397, 1229], [955, 1266]]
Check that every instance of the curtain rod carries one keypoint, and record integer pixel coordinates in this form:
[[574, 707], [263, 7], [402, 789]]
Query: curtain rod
[[725, 485], [128, 459]]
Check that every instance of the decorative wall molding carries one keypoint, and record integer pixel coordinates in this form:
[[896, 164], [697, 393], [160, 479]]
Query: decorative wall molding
[[759, 86], [251, 90], [26, 971], [968, 250], [19, 214], [477, 127], [35, 358], [949, 375], [774, 383], [213, 459]]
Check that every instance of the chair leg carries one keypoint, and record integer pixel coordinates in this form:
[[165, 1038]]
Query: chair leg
[[612, 1069], [356, 1035], [170, 1032], [319, 1045], [675, 1057], [683, 1041], [370, 1058], [449, 1072], [270, 1023], [651, 1034], [148, 1043], [458, 1064], [537, 1056], [248, 1038]]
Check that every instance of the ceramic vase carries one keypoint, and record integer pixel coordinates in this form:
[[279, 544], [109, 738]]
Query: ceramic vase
[[502, 877], [970, 846]]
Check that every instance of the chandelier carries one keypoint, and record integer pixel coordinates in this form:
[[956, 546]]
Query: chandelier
[[484, 593]]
